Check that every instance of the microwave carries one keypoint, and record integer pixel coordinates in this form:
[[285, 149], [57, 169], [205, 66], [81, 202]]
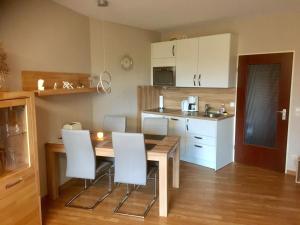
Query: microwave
[[164, 76]]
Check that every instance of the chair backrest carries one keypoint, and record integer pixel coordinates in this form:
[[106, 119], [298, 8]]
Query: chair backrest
[[81, 159], [130, 158], [114, 123], [154, 125]]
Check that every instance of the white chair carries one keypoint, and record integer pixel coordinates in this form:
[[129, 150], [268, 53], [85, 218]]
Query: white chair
[[81, 163], [156, 126], [131, 167], [114, 123]]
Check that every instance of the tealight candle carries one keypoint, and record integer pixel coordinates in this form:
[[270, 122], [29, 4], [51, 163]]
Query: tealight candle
[[100, 135]]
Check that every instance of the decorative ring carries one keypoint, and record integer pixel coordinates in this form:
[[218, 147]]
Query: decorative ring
[[104, 82]]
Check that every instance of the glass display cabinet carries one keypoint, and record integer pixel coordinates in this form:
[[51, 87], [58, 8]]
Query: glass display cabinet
[[19, 181]]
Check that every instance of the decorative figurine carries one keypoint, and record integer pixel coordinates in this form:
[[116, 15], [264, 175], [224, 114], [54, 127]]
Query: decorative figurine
[[41, 85]]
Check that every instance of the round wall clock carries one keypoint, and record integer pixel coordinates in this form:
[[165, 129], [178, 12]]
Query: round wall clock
[[127, 62]]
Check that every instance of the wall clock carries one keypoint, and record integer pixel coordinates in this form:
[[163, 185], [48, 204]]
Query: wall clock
[[127, 62]]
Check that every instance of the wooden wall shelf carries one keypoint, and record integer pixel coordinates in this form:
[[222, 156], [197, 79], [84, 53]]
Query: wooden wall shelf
[[30, 79], [64, 91]]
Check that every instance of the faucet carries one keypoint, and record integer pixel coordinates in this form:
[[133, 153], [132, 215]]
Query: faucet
[[207, 108]]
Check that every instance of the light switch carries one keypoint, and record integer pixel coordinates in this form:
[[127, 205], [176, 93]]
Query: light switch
[[297, 111]]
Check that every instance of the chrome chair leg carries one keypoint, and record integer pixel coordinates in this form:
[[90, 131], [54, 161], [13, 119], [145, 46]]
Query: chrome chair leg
[[148, 206], [86, 187]]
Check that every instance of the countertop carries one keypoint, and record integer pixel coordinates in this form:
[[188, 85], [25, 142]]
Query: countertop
[[179, 113]]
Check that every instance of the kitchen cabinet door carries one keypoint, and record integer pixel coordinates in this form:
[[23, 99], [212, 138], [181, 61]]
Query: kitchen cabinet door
[[187, 62], [166, 49], [201, 127], [214, 61], [177, 127]]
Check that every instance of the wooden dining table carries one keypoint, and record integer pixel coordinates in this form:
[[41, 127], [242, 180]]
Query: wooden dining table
[[165, 148]]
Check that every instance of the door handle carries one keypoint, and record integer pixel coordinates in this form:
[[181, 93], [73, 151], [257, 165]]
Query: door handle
[[194, 79], [199, 80], [198, 146], [173, 50], [283, 114], [198, 137], [14, 183]]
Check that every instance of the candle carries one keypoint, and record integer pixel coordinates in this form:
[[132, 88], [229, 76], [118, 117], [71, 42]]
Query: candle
[[100, 135]]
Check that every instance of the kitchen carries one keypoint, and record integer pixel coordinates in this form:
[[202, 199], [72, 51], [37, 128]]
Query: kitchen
[[62, 38]]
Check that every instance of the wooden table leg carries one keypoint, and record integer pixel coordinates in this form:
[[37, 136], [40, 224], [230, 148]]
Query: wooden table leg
[[52, 174], [176, 167], [163, 186]]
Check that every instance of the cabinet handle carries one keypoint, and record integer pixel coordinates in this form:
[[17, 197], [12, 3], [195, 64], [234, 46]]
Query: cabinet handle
[[174, 119], [199, 80], [187, 127], [198, 146], [14, 183], [173, 50], [198, 137], [194, 80]]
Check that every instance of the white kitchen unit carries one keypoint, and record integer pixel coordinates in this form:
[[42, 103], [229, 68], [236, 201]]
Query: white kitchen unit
[[187, 63], [209, 143], [208, 61], [177, 126], [164, 49], [204, 142], [216, 61]]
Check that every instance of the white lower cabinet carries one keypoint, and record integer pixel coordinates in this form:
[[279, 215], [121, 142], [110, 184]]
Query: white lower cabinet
[[203, 142], [177, 127], [209, 143]]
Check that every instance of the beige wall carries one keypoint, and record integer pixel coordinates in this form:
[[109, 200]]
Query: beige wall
[[273, 33], [120, 40], [42, 35]]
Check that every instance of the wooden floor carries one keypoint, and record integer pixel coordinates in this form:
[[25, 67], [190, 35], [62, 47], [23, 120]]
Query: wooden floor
[[236, 194]]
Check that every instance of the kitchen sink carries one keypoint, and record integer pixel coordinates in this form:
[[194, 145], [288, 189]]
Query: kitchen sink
[[212, 115]]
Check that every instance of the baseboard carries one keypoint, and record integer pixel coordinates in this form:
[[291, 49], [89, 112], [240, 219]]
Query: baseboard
[[44, 203], [291, 172]]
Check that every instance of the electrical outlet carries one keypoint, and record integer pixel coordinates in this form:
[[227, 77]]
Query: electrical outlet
[[232, 104]]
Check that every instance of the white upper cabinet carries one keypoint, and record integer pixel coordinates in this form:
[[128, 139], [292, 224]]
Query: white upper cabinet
[[165, 49], [187, 62], [214, 61], [208, 61]]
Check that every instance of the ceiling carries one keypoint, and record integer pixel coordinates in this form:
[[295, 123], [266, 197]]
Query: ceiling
[[164, 14]]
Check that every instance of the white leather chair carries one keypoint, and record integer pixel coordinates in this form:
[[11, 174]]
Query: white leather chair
[[131, 166], [81, 163], [158, 126], [113, 123]]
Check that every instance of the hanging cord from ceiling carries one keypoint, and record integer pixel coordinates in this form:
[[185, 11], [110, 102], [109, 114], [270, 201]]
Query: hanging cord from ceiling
[[105, 77]]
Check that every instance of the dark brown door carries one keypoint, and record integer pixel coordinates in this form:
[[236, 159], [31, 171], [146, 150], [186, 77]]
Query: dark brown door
[[263, 96]]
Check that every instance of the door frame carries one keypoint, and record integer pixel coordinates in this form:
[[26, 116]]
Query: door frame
[[291, 99]]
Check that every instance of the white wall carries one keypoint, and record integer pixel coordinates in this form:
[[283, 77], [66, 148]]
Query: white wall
[[120, 40], [42, 35], [262, 34]]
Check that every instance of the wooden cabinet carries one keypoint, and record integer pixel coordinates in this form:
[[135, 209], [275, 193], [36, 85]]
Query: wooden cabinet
[[166, 49], [19, 180], [208, 61]]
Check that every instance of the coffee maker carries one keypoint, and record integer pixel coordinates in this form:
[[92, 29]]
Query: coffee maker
[[193, 103]]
